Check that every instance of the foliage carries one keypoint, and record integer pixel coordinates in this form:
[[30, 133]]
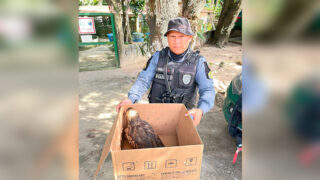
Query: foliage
[[89, 2], [145, 27], [147, 40], [203, 28], [214, 6], [209, 5], [146, 46], [137, 7], [200, 35], [218, 8]]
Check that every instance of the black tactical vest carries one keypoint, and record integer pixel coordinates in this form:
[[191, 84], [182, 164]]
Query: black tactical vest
[[181, 80]]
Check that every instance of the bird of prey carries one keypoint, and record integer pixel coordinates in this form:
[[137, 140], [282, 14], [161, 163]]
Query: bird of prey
[[139, 133]]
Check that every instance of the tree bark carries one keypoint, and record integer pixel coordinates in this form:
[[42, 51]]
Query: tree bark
[[230, 11], [126, 23], [290, 21], [191, 9], [118, 24], [158, 16]]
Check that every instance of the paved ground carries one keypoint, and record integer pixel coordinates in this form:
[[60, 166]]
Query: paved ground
[[98, 58], [101, 91]]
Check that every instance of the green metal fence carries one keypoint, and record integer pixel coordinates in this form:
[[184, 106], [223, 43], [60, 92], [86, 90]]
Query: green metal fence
[[102, 43]]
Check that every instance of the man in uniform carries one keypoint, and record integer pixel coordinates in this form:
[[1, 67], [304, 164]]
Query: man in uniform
[[175, 74]]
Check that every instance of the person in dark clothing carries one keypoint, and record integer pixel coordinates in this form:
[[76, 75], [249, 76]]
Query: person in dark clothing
[[176, 74]]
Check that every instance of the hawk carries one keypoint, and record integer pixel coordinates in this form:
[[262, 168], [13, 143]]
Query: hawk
[[139, 133]]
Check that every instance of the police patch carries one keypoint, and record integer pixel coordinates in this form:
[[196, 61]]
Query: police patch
[[186, 78], [147, 64], [207, 70]]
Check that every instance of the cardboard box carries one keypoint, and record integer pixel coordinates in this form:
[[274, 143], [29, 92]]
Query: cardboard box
[[180, 159]]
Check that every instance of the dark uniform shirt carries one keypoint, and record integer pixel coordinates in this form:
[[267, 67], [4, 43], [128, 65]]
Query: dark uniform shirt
[[205, 84]]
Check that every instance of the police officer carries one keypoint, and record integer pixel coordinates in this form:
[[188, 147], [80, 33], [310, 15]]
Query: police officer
[[175, 74]]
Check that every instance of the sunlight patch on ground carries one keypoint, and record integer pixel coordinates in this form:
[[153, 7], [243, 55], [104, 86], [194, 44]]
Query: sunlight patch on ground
[[104, 115], [90, 96], [94, 56], [93, 104], [82, 108], [106, 126], [114, 102]]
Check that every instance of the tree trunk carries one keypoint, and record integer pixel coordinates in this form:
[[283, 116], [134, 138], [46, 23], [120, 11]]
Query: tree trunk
[[158, 16], [126, 23], [118, 24], [290, 21], [191, 9], [230, 11]]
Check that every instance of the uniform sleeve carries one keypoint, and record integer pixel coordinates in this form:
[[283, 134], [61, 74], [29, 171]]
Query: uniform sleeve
[[144, 79], [205, 85]]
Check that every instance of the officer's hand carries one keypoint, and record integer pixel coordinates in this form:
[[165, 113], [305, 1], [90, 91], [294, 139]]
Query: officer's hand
[[123, 102], [197, 115]]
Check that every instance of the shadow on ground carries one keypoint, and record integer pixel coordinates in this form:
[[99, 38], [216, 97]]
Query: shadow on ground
[[97, 58]]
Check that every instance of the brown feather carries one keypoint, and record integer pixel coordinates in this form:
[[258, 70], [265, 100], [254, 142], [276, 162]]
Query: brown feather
[[140, 133]]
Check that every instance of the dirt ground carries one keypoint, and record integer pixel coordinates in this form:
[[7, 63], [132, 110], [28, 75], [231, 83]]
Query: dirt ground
[[98, 58], [101, 91]]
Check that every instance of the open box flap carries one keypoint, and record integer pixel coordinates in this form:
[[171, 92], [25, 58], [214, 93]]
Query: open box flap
[[108, 143], [190, 137]]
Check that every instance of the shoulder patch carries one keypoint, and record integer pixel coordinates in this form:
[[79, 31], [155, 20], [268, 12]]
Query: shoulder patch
[[207, 70], [145, 67]]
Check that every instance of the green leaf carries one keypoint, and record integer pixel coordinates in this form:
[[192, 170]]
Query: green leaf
[[200, 35]]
